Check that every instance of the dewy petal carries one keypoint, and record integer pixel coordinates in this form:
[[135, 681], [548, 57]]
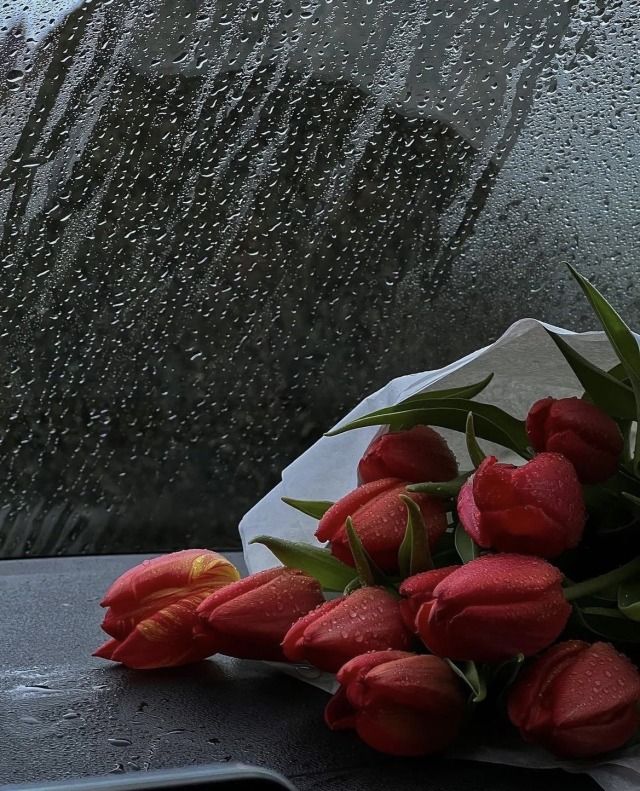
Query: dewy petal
[[360, 665], [528, 529], [492, 633], [239, 588], [253, 624], [578, 700], [416, 454], [381, 524], [293, 642], [491, 579], [598, 682], [527, 706], [549, 482], [175, 571], [536, 423], [418, 681], [470, 515], [348, 505], [156, 583], [168, 638], [366, 620], [492, 485]]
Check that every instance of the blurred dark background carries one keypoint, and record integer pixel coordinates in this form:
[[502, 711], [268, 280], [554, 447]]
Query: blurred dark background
[[223, 224]]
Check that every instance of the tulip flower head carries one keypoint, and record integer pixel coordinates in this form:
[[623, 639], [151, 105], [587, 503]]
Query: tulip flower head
[[367, 620], [152, 609], [581, 432], [415, 455], [535, 509], [492, 608], [577, 700], [380, 519], [399, 703], [250, 618]]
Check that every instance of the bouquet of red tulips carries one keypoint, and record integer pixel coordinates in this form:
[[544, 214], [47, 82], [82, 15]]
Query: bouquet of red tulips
[[436, 593]]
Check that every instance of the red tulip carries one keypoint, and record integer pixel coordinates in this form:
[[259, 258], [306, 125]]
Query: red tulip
[[581, 432], [151, 615], [419, 589], [380, 520], [250, 618], [415, 455], [577, 700], [366, 620], [535, 509], [399, 703], [493, 608]]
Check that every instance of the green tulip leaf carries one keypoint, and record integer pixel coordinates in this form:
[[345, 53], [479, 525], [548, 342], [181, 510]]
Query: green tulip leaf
[[629, 599], [414, 554], [447, 489], [469, 673], [618, 372], [367, 571], [624, 345], [491, 422], [609, 623], [315, 508], [466, 547], [476, 453], [331, 573], [425, 399], [465, 391], [603, 388]]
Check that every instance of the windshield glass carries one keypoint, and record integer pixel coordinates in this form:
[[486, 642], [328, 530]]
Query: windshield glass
[[225, 223]]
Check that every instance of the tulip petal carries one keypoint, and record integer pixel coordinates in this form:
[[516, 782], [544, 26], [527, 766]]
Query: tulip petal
[[581, 432], [415, 455], [381, 524], [494, 608], [396, 730], [367, 620], [168, 638], [339, 714], [105, 651], [293, 643], [470, 516], [493, 633], [419, 681], [348, 505], [598, 676], [528, 529], [252, 624], [156, 583], [578, 700], [360, 665]]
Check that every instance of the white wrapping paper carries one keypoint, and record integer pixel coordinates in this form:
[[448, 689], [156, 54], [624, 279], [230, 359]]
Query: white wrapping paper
[[526, 366]]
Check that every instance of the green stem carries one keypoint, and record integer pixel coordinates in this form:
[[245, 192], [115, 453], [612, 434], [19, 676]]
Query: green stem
[[443, 488], [608, 580]]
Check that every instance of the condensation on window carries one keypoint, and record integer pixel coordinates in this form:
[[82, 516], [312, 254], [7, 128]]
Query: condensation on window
[[224, 223]]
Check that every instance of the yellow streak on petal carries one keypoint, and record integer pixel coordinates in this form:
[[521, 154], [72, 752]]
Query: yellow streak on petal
[[153, 631], [205, 564]]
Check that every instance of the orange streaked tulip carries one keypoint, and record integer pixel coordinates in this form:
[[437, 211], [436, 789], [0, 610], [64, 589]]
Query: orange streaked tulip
[[152, 609]]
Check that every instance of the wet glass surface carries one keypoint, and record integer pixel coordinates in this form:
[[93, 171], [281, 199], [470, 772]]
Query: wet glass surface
[[224, 223]]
